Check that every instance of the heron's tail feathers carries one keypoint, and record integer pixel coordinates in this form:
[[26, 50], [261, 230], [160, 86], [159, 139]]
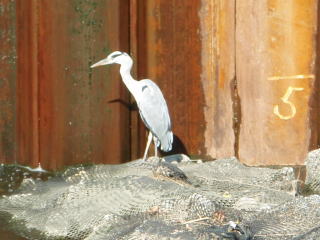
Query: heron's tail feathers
[[166, 142]]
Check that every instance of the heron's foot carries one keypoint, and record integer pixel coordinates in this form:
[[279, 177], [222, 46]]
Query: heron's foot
[[297, 186], [153, 160]]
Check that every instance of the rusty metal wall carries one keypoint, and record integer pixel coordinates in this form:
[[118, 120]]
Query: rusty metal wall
[[27, 83], [188, 49], [170, 54], [275, 62], [217, 34], [7, 81], [67, 112], [78, 121], [240, 78], [314, 103]]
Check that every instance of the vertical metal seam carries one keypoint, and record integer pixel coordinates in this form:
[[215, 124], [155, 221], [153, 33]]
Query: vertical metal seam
[[38, 119], [35, 83]]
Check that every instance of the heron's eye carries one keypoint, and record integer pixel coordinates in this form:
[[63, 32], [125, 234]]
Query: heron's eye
[[144, 87]]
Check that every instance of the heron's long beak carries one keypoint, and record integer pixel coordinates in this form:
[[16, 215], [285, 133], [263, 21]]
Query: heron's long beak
[[100, 63]]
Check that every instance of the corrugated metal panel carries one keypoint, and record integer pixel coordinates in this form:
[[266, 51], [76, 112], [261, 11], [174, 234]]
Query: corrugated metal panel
[[27, 83], [188, 49], [171, 56], [275, 74], [314, 104], [137, 42], [217, 31], [239, 78], [71, 106], [7, 81]]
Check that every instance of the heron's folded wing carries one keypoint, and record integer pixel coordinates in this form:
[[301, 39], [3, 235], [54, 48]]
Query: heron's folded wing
[[153, 109]]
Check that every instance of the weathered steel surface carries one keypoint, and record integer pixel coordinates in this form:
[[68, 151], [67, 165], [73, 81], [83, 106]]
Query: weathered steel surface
[[137, 41], [7, 81], [275, 42], [27, 83], [59, 111], [68, 113], [217, 22], [171, 56], [187, 47], [79, 119], [314, 104]]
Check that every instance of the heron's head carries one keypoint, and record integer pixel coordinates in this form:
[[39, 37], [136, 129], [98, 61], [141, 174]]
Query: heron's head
[[115, 57]]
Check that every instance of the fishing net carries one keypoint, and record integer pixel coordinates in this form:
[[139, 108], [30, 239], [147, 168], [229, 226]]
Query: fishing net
[[173, 199]]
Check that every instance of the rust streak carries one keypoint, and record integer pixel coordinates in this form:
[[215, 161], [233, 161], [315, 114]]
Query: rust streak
[[27, 82]]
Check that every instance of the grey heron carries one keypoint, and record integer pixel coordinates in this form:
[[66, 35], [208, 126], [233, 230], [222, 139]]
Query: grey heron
[[151, 103]]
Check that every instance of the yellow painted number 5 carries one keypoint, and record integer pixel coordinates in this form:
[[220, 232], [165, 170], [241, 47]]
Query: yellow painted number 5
[[285, 99]]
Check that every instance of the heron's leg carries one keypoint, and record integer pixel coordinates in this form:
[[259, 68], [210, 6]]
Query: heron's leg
[[155, 147], [148, 145]]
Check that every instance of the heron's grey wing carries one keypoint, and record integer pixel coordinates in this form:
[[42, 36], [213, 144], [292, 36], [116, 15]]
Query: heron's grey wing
[[154, 112]]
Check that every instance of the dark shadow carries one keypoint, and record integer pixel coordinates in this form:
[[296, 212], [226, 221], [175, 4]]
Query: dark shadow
[[236, 108], [177, 148], [131, 106]]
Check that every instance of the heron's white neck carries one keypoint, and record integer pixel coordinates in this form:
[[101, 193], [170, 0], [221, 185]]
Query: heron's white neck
[[128, 80]]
